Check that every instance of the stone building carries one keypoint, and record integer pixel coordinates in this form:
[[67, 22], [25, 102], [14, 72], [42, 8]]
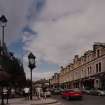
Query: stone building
[[54, 81], [87, 71]]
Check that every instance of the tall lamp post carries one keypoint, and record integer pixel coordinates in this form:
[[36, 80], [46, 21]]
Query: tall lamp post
[[3, 23], [31, 65]]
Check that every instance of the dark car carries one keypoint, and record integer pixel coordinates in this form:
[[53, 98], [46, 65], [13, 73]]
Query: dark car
[[93, 92]]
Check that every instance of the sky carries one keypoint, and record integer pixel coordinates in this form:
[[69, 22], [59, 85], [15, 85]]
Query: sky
[[54, 30]]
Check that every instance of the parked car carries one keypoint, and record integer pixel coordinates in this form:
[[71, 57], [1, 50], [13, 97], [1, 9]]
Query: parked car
[[72, 94], [101, 92], [56, 91], [86, 91], [61, 91], [97, 92], [48, 93]]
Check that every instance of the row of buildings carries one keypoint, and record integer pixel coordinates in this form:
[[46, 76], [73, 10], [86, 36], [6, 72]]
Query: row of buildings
[[87, 71]]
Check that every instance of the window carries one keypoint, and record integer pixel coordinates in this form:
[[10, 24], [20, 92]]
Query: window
[[82, 73], [98, 53], [88, 71], [97, 81], [96, 68], [100, 67]]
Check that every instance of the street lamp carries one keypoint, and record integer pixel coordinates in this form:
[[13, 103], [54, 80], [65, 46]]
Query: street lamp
[[3, 22], [31, 65]]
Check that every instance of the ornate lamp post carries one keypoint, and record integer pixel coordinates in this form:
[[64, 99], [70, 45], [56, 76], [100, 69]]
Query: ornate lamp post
[[3, 22], [31, 65]]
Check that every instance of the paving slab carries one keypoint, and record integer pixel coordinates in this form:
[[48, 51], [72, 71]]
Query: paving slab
[[22, 101]]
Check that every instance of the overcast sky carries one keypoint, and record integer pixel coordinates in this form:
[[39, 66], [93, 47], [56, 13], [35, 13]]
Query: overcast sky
[[54, 30]]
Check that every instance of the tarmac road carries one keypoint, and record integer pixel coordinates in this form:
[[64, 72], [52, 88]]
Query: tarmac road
[[87, 100]]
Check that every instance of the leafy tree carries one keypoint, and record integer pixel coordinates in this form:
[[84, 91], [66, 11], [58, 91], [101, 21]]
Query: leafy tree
[[12, 66]]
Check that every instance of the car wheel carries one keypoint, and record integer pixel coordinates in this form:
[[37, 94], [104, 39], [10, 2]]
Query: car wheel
[[99, 94], [67, 97], [62, 96], [81, 98]]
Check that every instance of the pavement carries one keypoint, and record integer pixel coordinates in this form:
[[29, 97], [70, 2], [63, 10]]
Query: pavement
[[35, 101]]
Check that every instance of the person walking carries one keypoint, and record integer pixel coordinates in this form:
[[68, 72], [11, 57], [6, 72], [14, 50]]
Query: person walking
[[44, 92], [38, 91], [5, 92], [26, 92], [13, 92]]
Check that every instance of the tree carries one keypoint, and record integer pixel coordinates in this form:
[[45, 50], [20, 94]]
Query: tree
[[12, 66], [12, 69]]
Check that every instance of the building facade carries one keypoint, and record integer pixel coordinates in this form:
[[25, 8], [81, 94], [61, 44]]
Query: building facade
[[87, 71], [54, 81]]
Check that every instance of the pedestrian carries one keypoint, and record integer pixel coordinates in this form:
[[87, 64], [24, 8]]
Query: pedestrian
[[44, 92], [26, 92], [4, 95], [38, 91], [35, 93], [13, 93], [8, 93]]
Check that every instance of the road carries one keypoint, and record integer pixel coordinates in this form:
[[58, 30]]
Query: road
[[87, 100]]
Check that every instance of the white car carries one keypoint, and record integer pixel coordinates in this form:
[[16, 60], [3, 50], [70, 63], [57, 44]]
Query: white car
[[48, 93], [101, 92]]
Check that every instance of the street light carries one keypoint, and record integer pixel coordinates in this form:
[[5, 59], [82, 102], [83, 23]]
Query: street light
[[3, 22], [31, 65]]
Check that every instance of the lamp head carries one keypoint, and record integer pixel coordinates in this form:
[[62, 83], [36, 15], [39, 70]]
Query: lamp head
[[3, 20], [31, 59]]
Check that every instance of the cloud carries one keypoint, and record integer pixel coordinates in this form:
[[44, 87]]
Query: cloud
[[66, 28], [21, 14], [16, 12], [38, 72], [39, 75], [55, 9], [57, 29]]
